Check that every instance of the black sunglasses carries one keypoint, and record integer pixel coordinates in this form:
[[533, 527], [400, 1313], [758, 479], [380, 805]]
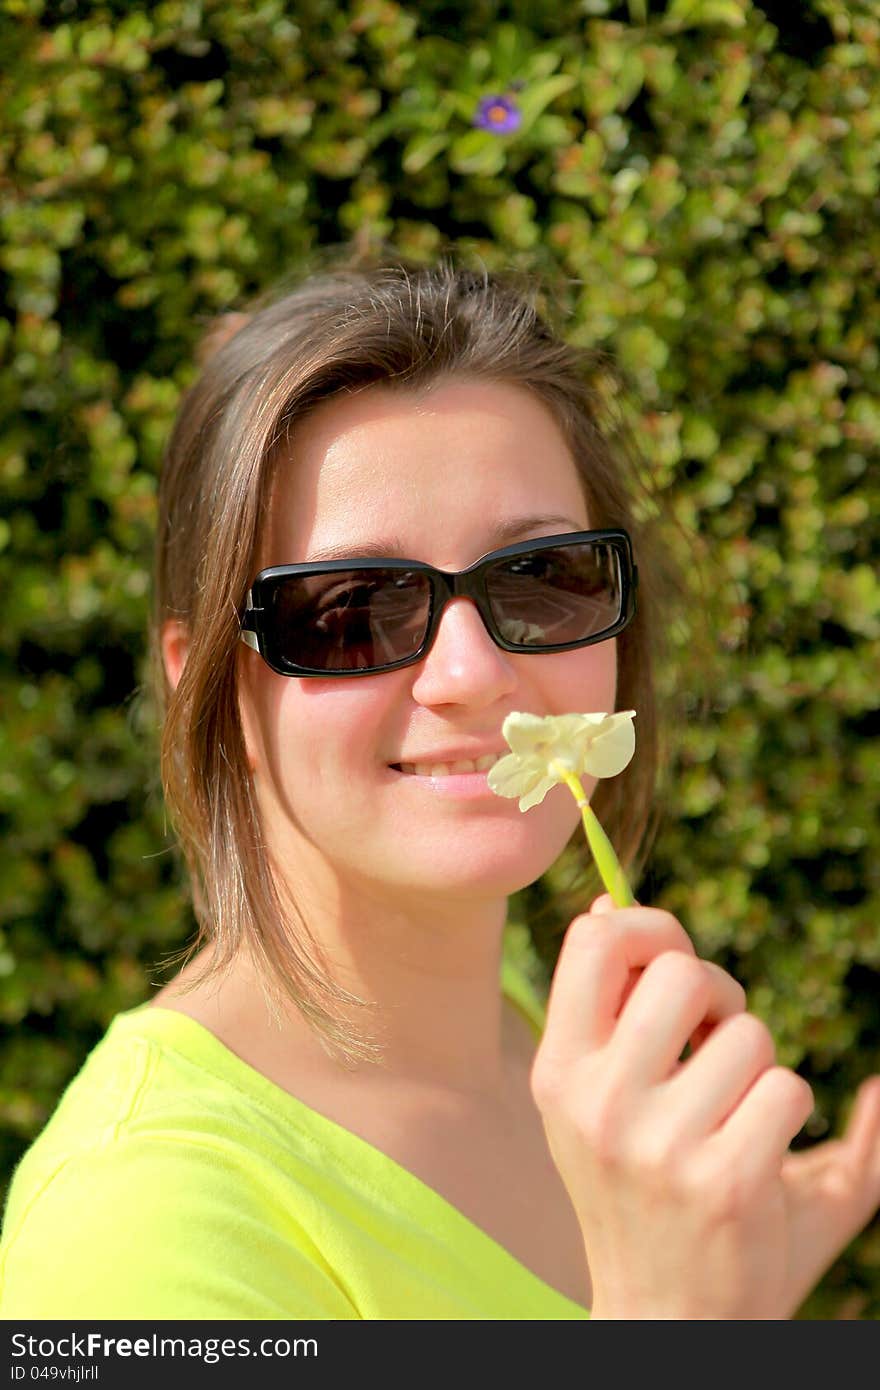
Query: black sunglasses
[[356, 617]]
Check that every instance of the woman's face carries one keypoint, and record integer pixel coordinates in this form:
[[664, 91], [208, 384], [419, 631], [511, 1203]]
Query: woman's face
[[440, 472]]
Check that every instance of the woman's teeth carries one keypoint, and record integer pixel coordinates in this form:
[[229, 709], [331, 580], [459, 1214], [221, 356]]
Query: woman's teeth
[[444, 769]]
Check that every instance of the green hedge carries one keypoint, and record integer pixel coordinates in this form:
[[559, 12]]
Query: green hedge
[[703, 176]]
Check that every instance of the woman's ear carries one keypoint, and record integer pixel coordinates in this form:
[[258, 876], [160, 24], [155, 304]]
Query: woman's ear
[[175, 644], [247, 736]]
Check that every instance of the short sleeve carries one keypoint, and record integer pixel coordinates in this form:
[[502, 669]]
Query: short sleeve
[[153, 1227]]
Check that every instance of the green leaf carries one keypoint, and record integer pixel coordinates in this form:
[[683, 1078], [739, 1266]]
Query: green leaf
[[421, 149], [510, 50], [477, 152], [689, 14], [535, 98]]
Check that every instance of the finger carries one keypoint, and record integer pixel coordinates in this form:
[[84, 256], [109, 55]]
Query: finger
[[605, 903], [755, 1136], [862, 1134], [709, 1085], [673, 996], [593, 970], [839, 1181], [857, 1156]]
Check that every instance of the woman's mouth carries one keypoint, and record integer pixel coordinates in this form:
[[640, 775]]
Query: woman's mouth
[[463, 765]]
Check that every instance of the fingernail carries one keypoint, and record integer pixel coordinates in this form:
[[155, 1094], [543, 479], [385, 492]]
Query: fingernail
[[604, 903]]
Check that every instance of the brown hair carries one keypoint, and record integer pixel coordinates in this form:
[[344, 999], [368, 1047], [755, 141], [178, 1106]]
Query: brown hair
[[337, 329]]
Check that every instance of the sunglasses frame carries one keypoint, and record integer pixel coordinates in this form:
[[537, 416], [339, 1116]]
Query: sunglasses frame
[[445, 585]]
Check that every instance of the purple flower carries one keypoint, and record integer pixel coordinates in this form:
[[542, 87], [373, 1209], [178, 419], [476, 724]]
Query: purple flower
[[498, 114]]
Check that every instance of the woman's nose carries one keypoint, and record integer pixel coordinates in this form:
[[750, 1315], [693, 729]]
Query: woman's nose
[[464, 662]]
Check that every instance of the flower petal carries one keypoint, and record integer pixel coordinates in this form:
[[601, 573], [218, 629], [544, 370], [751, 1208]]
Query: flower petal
[[522, 731], [537, 794], [571, 727], [514, 776], [611, 749]]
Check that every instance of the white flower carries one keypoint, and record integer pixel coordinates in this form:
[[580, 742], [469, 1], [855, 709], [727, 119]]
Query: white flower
[[515, 630], [544, 749]]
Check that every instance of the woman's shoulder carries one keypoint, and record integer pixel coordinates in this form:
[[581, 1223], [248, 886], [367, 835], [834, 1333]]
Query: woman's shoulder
[[151, 1169], [99, 1101], [137, 1099], [158, 1078]]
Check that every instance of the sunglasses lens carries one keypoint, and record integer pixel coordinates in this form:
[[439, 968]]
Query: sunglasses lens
[[562, 594], [351, 620]]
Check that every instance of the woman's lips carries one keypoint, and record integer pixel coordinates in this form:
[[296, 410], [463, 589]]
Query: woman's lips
[[461, 784]]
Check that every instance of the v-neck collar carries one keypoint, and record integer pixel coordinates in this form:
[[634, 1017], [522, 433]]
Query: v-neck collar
[[177, 1031]]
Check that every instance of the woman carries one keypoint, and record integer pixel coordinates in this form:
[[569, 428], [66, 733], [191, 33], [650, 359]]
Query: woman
[[335, 1111]]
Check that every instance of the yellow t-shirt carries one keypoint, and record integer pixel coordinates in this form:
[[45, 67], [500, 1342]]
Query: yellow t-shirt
[[174, 1181]]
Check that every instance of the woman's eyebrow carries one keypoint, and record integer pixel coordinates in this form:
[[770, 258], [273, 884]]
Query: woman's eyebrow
[[506, 532]]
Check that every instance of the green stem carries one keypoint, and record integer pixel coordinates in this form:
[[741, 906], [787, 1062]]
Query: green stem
[[602, 849]]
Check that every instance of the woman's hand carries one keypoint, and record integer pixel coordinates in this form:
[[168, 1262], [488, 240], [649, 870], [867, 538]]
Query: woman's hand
[[690, 1203]]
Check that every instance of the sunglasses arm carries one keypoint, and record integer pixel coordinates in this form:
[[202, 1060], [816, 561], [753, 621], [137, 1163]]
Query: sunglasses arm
[[248, 634]]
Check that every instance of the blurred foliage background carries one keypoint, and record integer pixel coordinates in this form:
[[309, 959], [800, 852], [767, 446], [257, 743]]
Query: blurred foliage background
[[701, 176]]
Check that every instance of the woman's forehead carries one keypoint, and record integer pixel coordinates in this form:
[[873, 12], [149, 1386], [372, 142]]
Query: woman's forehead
[[388, 463]]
